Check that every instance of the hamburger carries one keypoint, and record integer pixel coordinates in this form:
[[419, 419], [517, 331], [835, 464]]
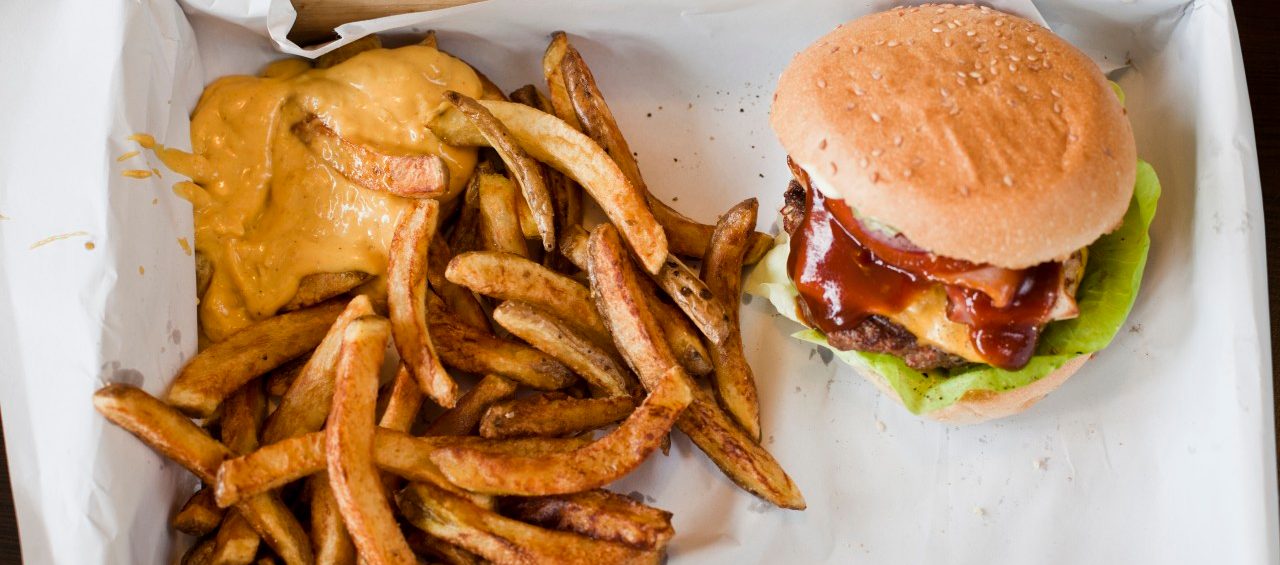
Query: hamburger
[[967, 219]]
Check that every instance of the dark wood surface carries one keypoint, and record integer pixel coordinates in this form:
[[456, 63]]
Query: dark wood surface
[[1258, 21]]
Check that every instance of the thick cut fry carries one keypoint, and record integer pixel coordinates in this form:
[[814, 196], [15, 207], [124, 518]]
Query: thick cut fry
[[690, 238], [554, 142], [199, 515], [199, 554], [528, 225], [695, 299], [222, 368], [598, 366], [427, 545], [551, 64], [407, 456], [403, 403], [174, 436], [407, 302], [348, 51], [527, 171], [465, 234], [738, 456], [499, 217], [566, 194], [305, 405], [722, 271], [329, 539], [319, 287], [503, 540], [459, 300], [279, 379], [463, 418], [349, 446], [597, 514], [591, 466], [409, 176], [679, 332], [236, 543], [468, 349], [507, 277], [552, 414]]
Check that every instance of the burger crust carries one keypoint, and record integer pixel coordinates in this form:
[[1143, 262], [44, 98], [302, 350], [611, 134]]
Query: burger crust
[[977, 134]]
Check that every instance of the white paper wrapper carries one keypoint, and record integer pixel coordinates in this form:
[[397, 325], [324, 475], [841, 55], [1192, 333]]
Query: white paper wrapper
[[1161, 450]]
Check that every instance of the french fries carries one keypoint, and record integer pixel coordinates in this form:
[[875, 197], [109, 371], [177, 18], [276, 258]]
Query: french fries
[[552, 414], [329, 538], [555, 143], [199, 515], [407, 302], [503, 540], [598, 514], [722, 271], [527, 172], [499, 217], [463, 418], [403, 402], [558, 339], [566, 195], [507, 277], [218, 371], [695, 299], [409, 176], [552, 61], [236, 542], [319, 287], [349, 446], [468, 349]]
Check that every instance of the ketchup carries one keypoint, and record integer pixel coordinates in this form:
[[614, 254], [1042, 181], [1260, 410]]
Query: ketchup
[[846, 273]]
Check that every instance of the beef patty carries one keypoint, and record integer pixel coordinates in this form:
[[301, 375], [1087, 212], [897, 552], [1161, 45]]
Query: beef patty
[[876, 334]]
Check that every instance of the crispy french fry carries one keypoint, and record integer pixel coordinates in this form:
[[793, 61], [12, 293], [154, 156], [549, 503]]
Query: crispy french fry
[[319, 287], [503, 540], [465, 234], [236, 543], [279, 379], [199, 554], [499, 218], [690, 238], [552, 414], [527, 171], [566, 194], [304, 407], [427, 545], [508, 277], [591, 466], [695, 299], [722, 271], [463, 418], [174, 436], [740, 458], [403, 403], [348, 51], [329, 538], [468, 349], [407, 302], [552, 59], [528, 224], [681, 335], [597, 514], [199, 515], [553, 336], [459, 299], [272, 466], [554, 142], [223, 367], [349, 438], [409, 176]]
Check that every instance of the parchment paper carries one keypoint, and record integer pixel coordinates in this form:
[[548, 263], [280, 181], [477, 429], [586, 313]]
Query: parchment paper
[[1160, 450]]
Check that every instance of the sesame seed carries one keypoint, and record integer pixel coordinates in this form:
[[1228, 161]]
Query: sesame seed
[[971, 33], [936, 30], [875, 117], [999, 23], [1057, 108], [957, 22], [857, 49], [951, 25], [822, 144], [858, 91], [954, 110], [897, 140], [907, 173], [875, 75], [960, 74], [1003, 46], [822, 83], [875, 177], [975, 74], [964, 190], [960, 81], [1072, 137], [937, 21], [944, 91], [879, 42], [1013, 67], [1022, 88], [940, 11], [892, 43], [1039, 49], [1015, 58], [946, 42], [1031, 39], [1055, 93], [1032, 58], [833, 168], [876, 152], [1008, 180]]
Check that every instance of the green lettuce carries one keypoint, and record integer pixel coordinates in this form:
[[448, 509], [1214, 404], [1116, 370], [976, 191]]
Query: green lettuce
[[1106, 294]]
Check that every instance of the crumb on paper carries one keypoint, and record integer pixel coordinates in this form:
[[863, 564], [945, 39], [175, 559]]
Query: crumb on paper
[[88, 245], [4, 217], [1040, 464], [142, 270], [185, 245], [156, 172], [979, 511], [143, 139], [126, 156], [880, 427], [58, 237]]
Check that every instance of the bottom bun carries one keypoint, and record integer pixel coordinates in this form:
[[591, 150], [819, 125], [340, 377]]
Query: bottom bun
[[982, 405]]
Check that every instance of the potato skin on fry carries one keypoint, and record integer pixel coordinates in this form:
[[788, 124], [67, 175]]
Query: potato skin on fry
[[598, 514], [722, 271], [552, 414]]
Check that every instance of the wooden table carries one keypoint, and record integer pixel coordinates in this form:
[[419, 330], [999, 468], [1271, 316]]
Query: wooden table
[[1257, 21]]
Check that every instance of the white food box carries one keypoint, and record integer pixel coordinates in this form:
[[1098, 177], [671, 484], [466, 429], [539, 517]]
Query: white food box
[[1161, 450]]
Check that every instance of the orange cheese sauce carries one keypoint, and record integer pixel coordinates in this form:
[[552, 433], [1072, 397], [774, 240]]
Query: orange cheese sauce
[[268, 211]]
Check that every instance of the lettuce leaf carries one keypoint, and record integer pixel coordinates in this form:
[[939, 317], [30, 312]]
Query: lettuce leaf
[[1107, 292]]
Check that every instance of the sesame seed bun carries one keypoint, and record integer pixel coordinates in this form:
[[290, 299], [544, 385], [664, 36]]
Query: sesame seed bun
[[976, 134]]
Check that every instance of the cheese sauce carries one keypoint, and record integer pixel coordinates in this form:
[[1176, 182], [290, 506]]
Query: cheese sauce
[[268, 211]]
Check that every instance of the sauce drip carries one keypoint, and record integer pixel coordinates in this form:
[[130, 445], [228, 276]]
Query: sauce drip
[[846, 272]]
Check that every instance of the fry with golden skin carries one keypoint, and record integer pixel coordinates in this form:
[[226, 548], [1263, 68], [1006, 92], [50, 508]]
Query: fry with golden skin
[[503, 540], [243, 412], [304, 407], [552, 414], [407, 302], [174, 436], [597, 514], [527, 171], [348, 51], [403, 403], [460, 300], [319, 287], [329, 538], [235, 543], [408, 176], [555, 143], [507, 277], [349, 446], [279, 379], [499, 218], [468, 349], [559, 94], [553, 336], [463, 418], [695, 299], [722, 271], [199, 554], [223, 367], [199, 515], [427, 545]]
